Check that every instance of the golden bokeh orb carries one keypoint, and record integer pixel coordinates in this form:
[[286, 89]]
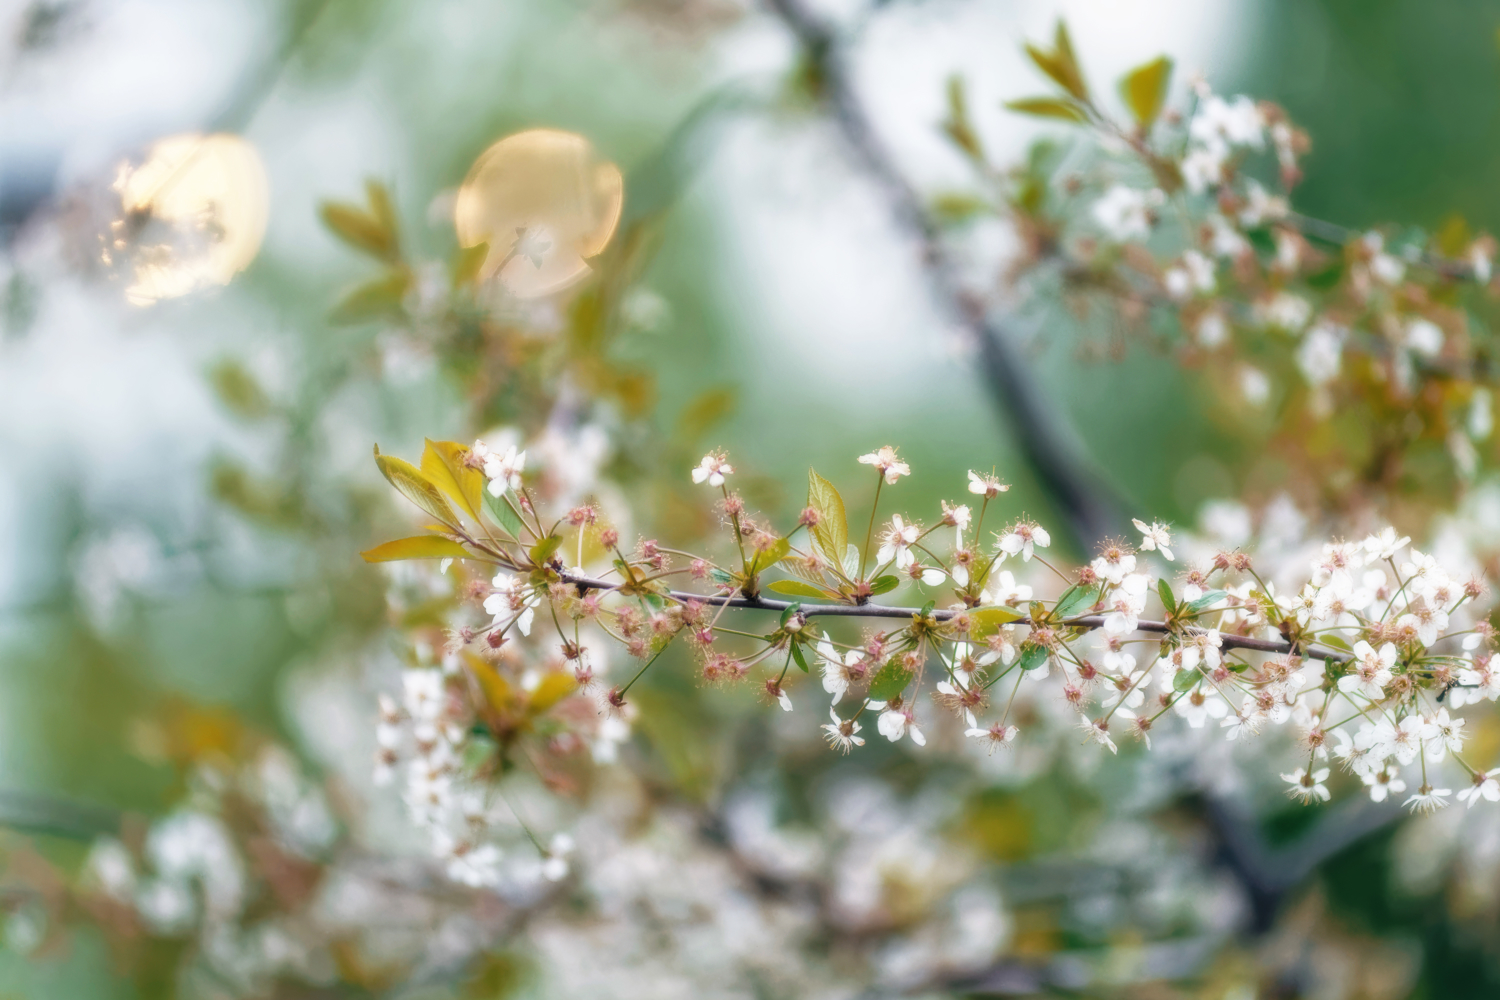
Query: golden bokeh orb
[[194, 214], [545, 203]]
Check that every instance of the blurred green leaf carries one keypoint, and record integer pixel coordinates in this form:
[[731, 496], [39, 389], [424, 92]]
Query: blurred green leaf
[[1061, 64], [1145, 90], [378, 297], [1049, 107], [796, 588]]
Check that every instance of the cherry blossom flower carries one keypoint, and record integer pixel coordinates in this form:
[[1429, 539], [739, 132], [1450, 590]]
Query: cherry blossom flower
[[887, 464], [995, 737], [513, 600], [1307, 787], [1154, 537], [1370, 671], [896, 722], [988, 487], [504, 471], [713, 469], [1384, 545], [1199, 705], [1383, 782], [841, 733], [1428, 799], [1098, 731], [1124, 213], [1003, 589], [1022, 538], [1442, 733], [896, 542], [1484, 787]]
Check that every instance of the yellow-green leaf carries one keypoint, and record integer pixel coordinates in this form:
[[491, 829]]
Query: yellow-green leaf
[[777, 551], [383, 211], [1061, 64], [359, 229], [416, 487], [986, 621], [832, 530], [416, 547], [443, 463], [1049, 107], [796, 588], [1145, 90], [468, 262], [553, 688], [957, 125], [496, 689], [377, 297]]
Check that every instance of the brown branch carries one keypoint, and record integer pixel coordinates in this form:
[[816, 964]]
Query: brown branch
[[1086, 622], [1091, 509]]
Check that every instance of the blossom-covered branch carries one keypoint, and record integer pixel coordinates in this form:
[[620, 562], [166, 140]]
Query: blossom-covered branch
[[1367, 661]]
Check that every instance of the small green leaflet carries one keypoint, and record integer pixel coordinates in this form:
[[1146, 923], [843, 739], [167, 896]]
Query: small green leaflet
[[884, 584], [796, 588], [1032, 656], [542, 550], [420, 547], [1205, 602], [1167, 600], [1335, 642], [786, 615], [777, 551], [504, 514], [985, 622], [720, 576], [1075, 601], [889, 681], [798, 655], [1185, 679]]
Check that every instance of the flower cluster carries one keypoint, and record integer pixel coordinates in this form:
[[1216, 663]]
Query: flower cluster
[[1368, 660], [1181, 220]]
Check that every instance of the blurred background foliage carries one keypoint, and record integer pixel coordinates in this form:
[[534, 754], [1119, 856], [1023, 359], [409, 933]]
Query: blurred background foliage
[[186, 488]]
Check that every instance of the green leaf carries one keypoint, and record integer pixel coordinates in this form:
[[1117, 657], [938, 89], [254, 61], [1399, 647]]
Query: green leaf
[[443, 463], [467, 263], [1164, 589], [1061, 64], [504, 514], [799, 656], [378, 297], [957, 125], [1186, 679], [884, 584], [889, 681], [986, 621], [416, 547], [543, 549], [927, 609], [722, 577], [777, 551], [1032, 656], [1206, 601], [787, 614], [1145, 90], [1337, 642], [1075, 600], [360, 229], [1049, 107], [1327, 278], [796, 588], [416, 487], [832, 530]]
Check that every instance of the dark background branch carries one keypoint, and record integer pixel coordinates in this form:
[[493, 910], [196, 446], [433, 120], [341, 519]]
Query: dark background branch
[[1091, 508]]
